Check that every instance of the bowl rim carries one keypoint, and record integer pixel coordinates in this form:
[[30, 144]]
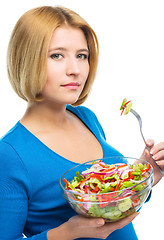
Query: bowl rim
[[117, 157]]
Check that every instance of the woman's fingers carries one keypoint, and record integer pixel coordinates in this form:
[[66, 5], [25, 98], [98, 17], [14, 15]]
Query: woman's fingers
[[156, 169], [87, 222], [122, 223], [159, 155], [104, 231], [157, 152], [158, 148], [150, 143], [161, 164], [83, 227]]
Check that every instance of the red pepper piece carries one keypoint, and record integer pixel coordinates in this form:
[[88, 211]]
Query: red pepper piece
[[67, 184], [124, 165], [96, 176], [148, 167], [125, 106], [118, 185], [96, 189], [122, 111], [131, 177], [127, 103], [102, 165], [113, 180], [87, 190], [112, 189]]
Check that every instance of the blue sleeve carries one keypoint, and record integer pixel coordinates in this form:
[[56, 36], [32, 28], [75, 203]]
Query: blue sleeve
[[15, 190]]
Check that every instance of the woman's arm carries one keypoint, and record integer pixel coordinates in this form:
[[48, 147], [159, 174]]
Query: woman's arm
[[81, 227], [14, 194]]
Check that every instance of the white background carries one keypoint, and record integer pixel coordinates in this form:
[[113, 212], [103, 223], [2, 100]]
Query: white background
[[131, 37]]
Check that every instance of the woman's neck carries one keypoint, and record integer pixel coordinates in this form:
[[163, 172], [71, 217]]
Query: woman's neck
[[45, 115]]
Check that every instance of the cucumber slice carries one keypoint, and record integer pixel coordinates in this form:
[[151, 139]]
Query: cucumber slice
[[127, 109], [123, 103], [125, 205], [113, 213]]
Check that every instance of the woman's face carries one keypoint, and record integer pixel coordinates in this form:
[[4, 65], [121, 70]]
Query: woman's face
[[67, 66]]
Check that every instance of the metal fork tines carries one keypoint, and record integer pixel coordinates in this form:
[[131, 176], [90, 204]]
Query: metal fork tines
[[140, 124]]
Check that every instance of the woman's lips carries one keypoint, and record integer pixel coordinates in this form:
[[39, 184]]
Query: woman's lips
[[71, 85]]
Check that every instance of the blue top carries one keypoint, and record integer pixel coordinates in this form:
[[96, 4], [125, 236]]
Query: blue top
[[30, 194]]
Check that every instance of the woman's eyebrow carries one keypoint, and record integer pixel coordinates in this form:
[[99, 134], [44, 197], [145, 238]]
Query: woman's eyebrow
[[83, 50], [57, 48], [64, 49]]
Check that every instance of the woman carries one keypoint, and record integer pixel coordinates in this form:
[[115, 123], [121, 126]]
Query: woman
[[52, 62]]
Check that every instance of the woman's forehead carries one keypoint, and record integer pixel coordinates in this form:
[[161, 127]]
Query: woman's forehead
[[67, 36]]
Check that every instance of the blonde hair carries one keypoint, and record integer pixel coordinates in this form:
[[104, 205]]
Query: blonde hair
[[28, 50]]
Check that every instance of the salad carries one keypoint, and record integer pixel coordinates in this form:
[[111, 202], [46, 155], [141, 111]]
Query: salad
[[108, 191], [126, 106]]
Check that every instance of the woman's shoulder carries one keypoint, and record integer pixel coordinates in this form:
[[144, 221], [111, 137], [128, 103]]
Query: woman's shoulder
[[82, 110], [15, 138], [11, 134], [7, 141]]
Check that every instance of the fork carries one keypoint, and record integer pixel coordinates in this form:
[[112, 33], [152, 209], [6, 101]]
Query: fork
[[140, 124]]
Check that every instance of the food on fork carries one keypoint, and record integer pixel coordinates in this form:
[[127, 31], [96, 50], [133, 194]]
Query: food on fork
[[126, 106]]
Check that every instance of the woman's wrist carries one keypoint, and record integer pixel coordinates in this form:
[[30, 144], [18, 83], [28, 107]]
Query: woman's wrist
[[63, 232]]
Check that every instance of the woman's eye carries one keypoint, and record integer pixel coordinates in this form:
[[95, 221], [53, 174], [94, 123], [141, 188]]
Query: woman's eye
[[82, 56], [56, 56]]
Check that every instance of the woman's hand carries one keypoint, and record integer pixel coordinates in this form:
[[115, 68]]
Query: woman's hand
[[82, 227], [158, 154], [155, 157]]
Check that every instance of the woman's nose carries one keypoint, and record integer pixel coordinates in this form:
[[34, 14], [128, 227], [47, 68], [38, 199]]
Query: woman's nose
[[72, 66]]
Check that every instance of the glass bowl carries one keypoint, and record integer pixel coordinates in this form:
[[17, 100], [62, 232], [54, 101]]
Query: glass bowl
[[114, 204]]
